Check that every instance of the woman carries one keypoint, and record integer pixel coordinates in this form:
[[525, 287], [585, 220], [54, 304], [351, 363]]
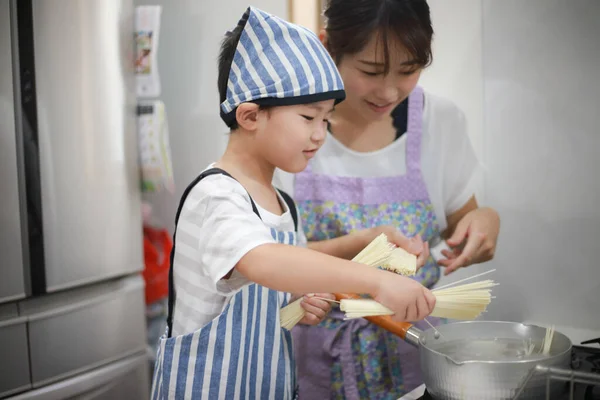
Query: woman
[[394, 155]]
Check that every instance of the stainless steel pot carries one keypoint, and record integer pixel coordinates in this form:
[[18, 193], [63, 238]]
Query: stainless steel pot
[[453, 369], [459, 377]]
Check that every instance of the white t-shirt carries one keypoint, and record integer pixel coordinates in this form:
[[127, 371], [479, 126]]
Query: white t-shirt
[[216, 228], [449, 164]]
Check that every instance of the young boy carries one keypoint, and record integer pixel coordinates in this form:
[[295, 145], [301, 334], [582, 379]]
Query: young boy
[[232, 265]]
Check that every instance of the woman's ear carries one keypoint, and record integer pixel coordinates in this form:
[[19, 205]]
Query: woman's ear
[[323, 37], [246, 115]]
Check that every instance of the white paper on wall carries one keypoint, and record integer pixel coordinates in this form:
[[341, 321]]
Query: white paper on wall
[[154, 150], [147, 28]]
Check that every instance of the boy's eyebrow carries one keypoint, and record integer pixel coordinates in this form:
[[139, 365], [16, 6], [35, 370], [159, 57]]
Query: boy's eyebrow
[[319, 108]]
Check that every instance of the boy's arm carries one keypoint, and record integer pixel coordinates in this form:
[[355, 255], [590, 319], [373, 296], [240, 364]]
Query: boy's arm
[[298, 270]]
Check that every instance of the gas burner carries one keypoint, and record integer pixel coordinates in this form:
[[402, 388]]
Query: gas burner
[[592, 341], [588, 393], [586, 359]]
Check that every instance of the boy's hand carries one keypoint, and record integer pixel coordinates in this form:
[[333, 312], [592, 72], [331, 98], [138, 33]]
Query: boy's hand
[[414, 245], [407, 298], [316, 309]]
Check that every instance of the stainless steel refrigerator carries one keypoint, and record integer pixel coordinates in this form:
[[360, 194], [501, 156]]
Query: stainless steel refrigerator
[[71, 298]]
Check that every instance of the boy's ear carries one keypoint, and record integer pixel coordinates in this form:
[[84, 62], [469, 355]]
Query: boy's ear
[[247, 115]]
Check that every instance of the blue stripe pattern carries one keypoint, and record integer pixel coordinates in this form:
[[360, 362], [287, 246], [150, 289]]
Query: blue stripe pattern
[[251, 303], [198, 383], [219, 349], [260, 363], [236, 336], [184, 356], [278, 59]]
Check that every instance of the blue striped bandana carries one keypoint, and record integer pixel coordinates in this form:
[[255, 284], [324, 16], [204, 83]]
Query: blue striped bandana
[[278, 63]]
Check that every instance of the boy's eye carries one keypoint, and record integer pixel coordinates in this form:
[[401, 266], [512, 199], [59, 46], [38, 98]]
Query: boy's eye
[[308, 118]]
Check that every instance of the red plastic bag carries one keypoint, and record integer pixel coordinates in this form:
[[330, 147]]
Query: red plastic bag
[[157, 254]]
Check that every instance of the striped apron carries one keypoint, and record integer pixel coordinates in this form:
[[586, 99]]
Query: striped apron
[[241, 354]]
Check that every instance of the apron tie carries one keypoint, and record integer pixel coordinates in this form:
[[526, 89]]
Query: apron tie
[[339, 345]]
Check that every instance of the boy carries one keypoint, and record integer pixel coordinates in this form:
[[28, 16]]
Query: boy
[[232, 266]]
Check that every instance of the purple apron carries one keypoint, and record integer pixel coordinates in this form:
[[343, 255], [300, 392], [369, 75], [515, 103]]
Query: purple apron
[[355, 359]]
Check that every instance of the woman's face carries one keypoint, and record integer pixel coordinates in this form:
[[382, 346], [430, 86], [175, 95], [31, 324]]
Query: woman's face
[[370, 92]]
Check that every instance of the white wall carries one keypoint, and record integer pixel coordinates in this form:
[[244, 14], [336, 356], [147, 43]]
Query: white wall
[[306, 13], [457, 73], [542, 145], [190, 36], [527, 76]]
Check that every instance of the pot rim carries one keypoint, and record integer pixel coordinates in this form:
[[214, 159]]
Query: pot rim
[[534, 362]]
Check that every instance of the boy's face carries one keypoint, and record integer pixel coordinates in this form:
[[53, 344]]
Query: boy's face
[[289, 136]]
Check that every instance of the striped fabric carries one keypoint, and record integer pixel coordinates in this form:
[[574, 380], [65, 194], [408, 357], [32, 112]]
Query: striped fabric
[[279, 63], [242, 354], [215, 229]]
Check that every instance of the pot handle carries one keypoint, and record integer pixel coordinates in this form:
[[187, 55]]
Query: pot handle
[[384, 321]]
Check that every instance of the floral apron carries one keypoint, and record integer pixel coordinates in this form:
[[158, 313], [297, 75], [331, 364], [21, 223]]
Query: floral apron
[[355, 359]]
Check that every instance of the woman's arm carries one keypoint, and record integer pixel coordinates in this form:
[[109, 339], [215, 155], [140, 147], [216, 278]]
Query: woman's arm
[[348, 246]]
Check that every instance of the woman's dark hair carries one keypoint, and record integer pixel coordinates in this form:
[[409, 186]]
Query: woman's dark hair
[[350, 25]]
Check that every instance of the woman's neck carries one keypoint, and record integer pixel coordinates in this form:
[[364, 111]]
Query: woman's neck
[[359, 134]]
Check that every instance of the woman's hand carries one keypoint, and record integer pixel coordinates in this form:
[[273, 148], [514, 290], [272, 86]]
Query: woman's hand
[[414, 245], [473, 240]]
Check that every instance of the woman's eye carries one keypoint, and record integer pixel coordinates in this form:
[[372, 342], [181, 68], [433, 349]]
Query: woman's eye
[[308, 118], [371, 73]]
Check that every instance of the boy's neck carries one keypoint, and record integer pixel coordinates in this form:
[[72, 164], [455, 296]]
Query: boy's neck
[[243, 162]]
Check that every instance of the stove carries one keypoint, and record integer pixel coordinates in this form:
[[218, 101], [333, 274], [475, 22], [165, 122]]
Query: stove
[[583, 359]]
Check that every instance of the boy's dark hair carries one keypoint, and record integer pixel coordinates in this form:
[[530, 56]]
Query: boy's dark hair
[[228, 48], [351, 24]]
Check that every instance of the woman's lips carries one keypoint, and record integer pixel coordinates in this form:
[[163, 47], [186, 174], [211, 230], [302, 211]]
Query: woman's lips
[[380, 108]]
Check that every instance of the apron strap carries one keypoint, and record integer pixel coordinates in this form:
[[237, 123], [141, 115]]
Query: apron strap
[[414, 130], [291, 205], [208, 172]]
